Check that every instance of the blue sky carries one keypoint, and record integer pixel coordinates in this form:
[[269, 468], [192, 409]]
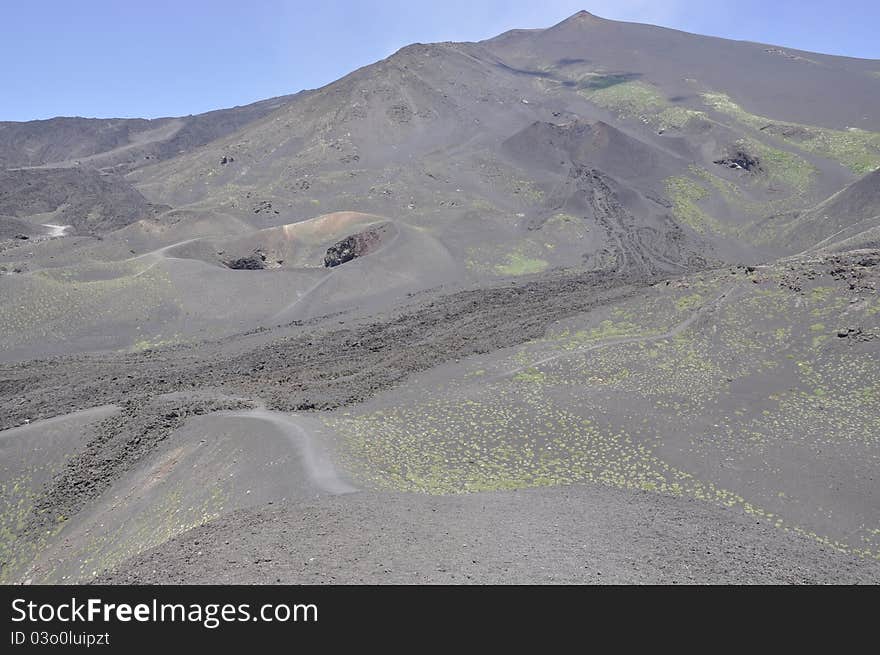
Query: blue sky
[[162, 57]]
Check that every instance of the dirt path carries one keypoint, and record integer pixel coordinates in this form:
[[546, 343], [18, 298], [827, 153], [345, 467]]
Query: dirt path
[[157, 255], [318, 466]]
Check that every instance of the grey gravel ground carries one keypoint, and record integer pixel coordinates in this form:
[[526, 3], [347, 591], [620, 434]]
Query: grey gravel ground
[[580, 534]]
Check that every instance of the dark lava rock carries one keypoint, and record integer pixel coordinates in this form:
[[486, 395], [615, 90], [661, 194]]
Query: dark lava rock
[[741, 160], [252, 262], [264, 206], [851, 332], [787, 131], [356, 245]]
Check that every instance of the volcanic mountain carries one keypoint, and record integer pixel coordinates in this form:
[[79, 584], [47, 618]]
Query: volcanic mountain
[[600, 261]]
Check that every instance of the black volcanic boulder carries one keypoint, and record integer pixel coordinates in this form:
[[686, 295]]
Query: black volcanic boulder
[[739, 158], [253, 262], [355, 245]]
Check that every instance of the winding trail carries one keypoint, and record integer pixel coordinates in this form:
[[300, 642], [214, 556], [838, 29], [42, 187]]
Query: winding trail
[[158, 255], [618, 341], [160, 251], [317, 464]]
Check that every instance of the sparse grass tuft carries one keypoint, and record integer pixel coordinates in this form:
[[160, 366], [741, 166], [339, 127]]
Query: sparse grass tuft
[[519, 264], [685, 195]]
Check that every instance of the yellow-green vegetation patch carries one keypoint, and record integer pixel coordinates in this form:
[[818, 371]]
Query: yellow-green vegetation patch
[[443, 447], [821, 293], [176, 511], [726, 187], [857, 149], [758, 231], [519, 264], [721, 102], [607, 329], [596, 81], [56, 304], [685, 194], [782, 334], [484, 206], [566, 226], [818, 340], [531, 375], [639, 101], [647, 317], [527, 256], [781, 166], [155, 342], [528, 190], [548, 414], [690, 301], [17, 496]]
